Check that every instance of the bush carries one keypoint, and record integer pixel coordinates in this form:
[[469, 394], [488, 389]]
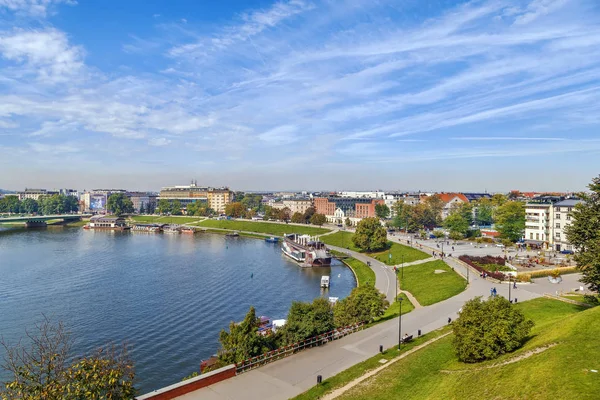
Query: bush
[[479, 264], [526, 277], [363, 305], [487, 329]]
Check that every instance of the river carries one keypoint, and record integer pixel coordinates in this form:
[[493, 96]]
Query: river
[[167, 296]]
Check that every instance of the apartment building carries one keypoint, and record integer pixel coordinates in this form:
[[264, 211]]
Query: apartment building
[[546, 218], [337, 209], [218, 198]]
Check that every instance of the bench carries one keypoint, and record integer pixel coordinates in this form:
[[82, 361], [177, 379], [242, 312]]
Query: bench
[[407, 339]]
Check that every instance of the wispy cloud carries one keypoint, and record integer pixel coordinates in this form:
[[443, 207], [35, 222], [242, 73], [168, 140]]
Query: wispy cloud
[[510, 138], [36, 8]]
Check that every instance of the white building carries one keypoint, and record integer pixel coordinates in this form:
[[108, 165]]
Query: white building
[[367, 195], [546, 220]]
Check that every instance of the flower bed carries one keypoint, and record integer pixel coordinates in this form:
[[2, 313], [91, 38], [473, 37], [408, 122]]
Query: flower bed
[[477, 262], [526, 277]]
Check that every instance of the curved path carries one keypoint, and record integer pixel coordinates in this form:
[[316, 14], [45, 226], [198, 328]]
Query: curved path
[[291, 376]]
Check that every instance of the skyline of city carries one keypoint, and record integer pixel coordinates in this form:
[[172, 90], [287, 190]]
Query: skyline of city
[[301, 95]]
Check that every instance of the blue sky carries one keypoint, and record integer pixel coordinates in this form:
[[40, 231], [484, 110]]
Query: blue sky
[[357, 94]]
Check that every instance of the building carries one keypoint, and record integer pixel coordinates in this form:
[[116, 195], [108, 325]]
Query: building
[[561, 213], [142, 200], [546, 218], [450, 200], [294, 205], [476, 196], [34, 194], [216, 198], [337, 209]]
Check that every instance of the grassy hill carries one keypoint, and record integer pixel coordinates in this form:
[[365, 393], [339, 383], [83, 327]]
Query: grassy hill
[[560, 372], [429, 287]]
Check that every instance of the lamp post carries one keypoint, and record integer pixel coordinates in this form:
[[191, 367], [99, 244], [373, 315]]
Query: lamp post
[[509, 285], [400, 323]]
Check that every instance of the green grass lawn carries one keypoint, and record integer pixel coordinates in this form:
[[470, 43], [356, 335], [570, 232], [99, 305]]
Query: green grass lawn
[[262, 227], [364, 274], [427, 286], [394, 309], [561, 372], [398, 250], [340, 239], [580, 298]]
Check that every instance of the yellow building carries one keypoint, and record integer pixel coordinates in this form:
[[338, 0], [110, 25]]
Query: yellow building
[[218, 198]]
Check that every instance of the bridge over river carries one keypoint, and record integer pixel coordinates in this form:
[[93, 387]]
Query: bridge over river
[[36, 221]]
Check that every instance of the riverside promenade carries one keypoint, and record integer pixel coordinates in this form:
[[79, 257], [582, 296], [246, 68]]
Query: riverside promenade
[[291, 376]]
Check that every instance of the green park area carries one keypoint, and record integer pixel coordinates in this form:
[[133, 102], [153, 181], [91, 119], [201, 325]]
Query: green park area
[[364, 274], [397, 250], [434, 372], [431, 282], [262, 227]]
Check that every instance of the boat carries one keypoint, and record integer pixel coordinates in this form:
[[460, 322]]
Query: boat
[[325, 281], [153, 228], [272, 239], [306, 250], [233, 234], [104, 222], [171, 229], [190, 230]]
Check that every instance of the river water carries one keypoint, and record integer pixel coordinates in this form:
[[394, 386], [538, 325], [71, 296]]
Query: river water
[[167, 296]]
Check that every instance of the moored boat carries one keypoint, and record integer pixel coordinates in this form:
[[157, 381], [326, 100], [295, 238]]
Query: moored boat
[[190, 230], [306, 250], [233, 234], [171, 229], [325, 281], [272, 239]]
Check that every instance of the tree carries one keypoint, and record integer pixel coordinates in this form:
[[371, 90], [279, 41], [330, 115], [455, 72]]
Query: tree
[[584, 235], [235, 210], [164, 206], [308, 213], [434, 205], [308, 319], [45, 369], [150, 207], [485, 212], [370, 235], [510, 220], [382, 211], [119, 204], [498, 199], [298, 218], [318, 219], [242, 341], [457, 224], [29, 206], [363, 305], [176, 207], [348, 222], [439, 233], [485, 330], [285, 214]]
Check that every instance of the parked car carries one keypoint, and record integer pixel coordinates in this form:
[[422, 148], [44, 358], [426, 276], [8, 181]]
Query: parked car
[[567, 252], [500, 245]]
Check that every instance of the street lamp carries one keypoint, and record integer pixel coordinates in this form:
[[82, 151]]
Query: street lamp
[[400, 322], [509, 285]]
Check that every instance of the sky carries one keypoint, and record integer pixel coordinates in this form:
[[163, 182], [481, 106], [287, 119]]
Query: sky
[[300, 94]]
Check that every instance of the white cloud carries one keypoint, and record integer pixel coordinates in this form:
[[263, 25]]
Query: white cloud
[[280, 135], [159, 142], [36, 8]]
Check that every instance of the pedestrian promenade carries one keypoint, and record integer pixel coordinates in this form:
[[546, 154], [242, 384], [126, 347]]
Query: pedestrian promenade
[[291, 376]]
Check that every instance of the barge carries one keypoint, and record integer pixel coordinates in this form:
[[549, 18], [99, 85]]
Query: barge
[[107, 223], [306, 250]]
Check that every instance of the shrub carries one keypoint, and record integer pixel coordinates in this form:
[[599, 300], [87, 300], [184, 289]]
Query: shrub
[[487, 329], [477, 262], [546, 272], [363, 305]]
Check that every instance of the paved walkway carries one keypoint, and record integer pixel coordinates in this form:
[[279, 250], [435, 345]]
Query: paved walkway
[[291, 376]]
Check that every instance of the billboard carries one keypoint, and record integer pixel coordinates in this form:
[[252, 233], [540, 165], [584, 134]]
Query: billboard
[[97, 202]]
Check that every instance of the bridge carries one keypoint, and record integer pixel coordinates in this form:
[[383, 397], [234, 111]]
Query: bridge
[[34, 221]]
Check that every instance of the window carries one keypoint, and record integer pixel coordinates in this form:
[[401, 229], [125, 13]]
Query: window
[[568, 217], [558, 235], [531, 236], [558, 225], [537, 236], [557, 216]]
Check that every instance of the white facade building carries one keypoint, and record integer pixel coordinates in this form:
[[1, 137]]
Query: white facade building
[[545, 223]]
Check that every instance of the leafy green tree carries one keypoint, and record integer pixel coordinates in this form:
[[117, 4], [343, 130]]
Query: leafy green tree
[[235, 210], [498, 199], [242, 341], [485, 212], [308, 319], [487, 329], [439, 233], [285, 214], [164, 206], [432, 216], [456, 223], [252, 201], [348, 222], [456, 235], [176, 207], [298, 218], [238, 196], [370, 235], [150, 207], [29, 206], [510, 220], [70, 203], [308, 213], [363, 305], [318, 219], [45, 369], [142, 208], [584, 235], [382, 211], [11, 204], [119, 204]]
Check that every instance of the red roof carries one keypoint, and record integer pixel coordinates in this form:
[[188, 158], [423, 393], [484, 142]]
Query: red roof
[[490, 233], [447, 197]]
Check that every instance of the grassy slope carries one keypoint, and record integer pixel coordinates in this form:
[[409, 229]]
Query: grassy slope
[[398, 250], [363, 273], [427, 286], [344, 240], [340, 239], [393, 310], [262, 227], [561, 372]]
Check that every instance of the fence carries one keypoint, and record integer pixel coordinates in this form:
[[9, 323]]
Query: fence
[[286, 351]]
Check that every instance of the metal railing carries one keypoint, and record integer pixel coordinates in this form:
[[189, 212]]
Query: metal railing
[[286, 351]]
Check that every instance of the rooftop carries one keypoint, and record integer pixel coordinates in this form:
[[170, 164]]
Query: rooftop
[[568, 203]]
